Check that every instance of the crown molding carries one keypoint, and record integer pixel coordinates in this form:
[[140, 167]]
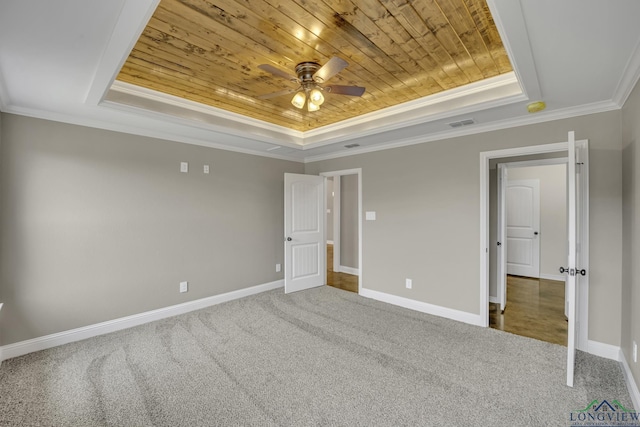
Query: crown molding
[[599, 107], [4, 97], [512, 27], [153, 104], [630, 77], [145, 131], [131, 22], [489, 93]]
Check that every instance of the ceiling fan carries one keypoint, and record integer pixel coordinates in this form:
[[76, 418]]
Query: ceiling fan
[[310, 78]]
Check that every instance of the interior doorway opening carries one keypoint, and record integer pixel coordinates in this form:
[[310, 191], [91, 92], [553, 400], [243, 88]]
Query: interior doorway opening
[[529, 222], [578, 255], [343, 230]]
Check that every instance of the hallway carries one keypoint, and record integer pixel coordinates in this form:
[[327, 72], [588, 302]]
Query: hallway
[[535, 309], [344, 281]]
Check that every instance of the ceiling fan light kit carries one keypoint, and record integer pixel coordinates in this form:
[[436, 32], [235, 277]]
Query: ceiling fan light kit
[[310, 77], [316, 97], [312, 106], [298, 100]]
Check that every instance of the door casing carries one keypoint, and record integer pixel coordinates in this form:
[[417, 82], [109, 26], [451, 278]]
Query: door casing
[[583, 232], [503, 173], [336, 207]]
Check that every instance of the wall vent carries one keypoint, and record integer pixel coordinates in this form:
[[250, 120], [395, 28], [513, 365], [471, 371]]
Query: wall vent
[[351, 145], [465, 122]]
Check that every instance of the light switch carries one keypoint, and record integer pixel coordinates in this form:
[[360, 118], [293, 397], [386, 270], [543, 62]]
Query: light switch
[[184, 167], [370, 216]]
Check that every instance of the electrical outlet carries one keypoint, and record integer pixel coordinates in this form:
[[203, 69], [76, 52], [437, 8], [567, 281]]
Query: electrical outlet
[[205, 169], [408, 283], [184, 286], [278, 268], [635, 352]]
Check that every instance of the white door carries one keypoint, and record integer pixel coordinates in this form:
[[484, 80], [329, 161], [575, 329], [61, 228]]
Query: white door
[[523, 225], [502, 243], [304, 220], [571, 258]]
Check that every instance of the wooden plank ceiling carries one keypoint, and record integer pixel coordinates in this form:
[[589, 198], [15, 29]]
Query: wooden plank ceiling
[[208, 51]]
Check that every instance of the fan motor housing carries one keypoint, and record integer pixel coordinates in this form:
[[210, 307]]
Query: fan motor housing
[[306, 70]]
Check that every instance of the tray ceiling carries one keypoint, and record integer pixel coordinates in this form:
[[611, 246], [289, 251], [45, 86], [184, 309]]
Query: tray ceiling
[[209, 52], [61, 62]]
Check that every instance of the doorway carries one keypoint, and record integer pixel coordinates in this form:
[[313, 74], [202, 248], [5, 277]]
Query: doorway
[[343, 230], [529, 214], [489, 240]]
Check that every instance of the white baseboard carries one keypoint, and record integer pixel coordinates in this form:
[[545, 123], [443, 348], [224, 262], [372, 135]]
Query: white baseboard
[[558, 277], [494, 300], [349, 270], [632, 385], [607, 351], [436, 310], [60, 338]]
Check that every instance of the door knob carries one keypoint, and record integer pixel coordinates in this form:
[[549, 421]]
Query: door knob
[[573, 272], [289, 239]]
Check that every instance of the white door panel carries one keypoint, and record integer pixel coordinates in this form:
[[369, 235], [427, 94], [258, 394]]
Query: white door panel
[[577, 220], [304, 222], [522, 227], [501, 238]]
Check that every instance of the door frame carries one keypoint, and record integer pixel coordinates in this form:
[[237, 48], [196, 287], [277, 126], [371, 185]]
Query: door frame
[[336, 215], [583, 232], [502, 170]]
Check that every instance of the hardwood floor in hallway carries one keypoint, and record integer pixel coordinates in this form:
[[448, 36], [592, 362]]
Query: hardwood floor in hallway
[[344, 281], [535, 309]]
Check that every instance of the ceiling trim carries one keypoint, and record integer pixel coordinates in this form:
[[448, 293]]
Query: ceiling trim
[[181, 137], [131, 22], [630, 77], [152, 103], [582, 110], [489, 93], [114, 125], [4, 97], [512, 28]]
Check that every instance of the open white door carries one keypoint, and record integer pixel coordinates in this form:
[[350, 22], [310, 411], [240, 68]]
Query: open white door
[[501, 274], [304, 220], [571, 269]]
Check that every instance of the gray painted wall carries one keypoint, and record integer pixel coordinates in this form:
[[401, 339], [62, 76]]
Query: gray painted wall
[[349, 221], [630, 315], [427, 200], [97, 225]]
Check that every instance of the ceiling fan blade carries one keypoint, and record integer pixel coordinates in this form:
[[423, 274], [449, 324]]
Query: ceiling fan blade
[[345, 90], [277, 72], [330, 69], [276, 94]]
